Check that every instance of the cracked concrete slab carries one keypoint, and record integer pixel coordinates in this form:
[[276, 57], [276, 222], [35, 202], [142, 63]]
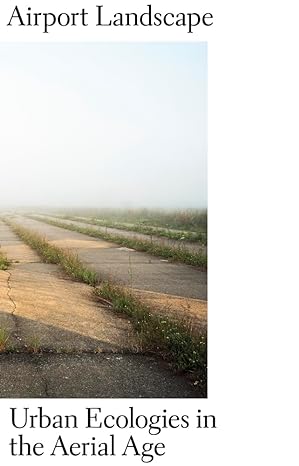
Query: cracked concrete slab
[[131, 268], [39, 306]]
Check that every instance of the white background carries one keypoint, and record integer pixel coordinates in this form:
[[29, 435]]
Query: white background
[[253, 237]]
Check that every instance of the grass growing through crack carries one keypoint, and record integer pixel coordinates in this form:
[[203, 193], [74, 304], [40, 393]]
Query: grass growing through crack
[[53, 255], [34, 344], [4, 262], [172, 339], [178, 254]]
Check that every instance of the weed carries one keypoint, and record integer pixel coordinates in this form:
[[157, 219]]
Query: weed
[[34, 344], [4, 262], [172, 339], [4, 337]]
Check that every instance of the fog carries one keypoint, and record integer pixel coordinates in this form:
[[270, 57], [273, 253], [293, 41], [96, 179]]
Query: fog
[[103, 125]]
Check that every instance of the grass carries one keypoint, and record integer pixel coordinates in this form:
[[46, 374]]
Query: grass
[[34, 344], [176, 254], [182, 236], [4, 262], [4, 337], [171, 339]]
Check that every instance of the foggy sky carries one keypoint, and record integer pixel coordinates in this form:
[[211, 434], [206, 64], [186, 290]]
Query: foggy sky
[[103, 125]]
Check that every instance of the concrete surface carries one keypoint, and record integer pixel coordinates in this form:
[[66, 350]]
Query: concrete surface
[[105, 376], [38, 305], [131, 268]]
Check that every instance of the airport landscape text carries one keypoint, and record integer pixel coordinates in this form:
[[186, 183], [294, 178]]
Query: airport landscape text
[[103, 16]]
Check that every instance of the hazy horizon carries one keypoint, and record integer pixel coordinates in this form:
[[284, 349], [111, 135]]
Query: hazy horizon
[[103, 125]]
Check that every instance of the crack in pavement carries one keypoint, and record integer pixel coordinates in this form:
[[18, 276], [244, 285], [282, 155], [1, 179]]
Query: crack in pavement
[[9, 290]]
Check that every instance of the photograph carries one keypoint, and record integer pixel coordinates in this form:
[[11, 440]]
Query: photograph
[[104, 220]]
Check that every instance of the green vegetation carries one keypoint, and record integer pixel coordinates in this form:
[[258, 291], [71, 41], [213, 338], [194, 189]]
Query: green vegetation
[[34, 344], [181, 236], [4, 262], [53, 255], [178, 254], [174, 340], [180, 219]]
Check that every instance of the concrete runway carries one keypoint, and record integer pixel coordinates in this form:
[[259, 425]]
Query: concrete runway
[[62, 343]]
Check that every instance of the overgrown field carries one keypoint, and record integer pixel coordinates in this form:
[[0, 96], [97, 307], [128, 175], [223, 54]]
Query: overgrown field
[[181, 219]]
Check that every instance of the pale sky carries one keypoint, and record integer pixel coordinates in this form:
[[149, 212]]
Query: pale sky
[[103, 125]]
